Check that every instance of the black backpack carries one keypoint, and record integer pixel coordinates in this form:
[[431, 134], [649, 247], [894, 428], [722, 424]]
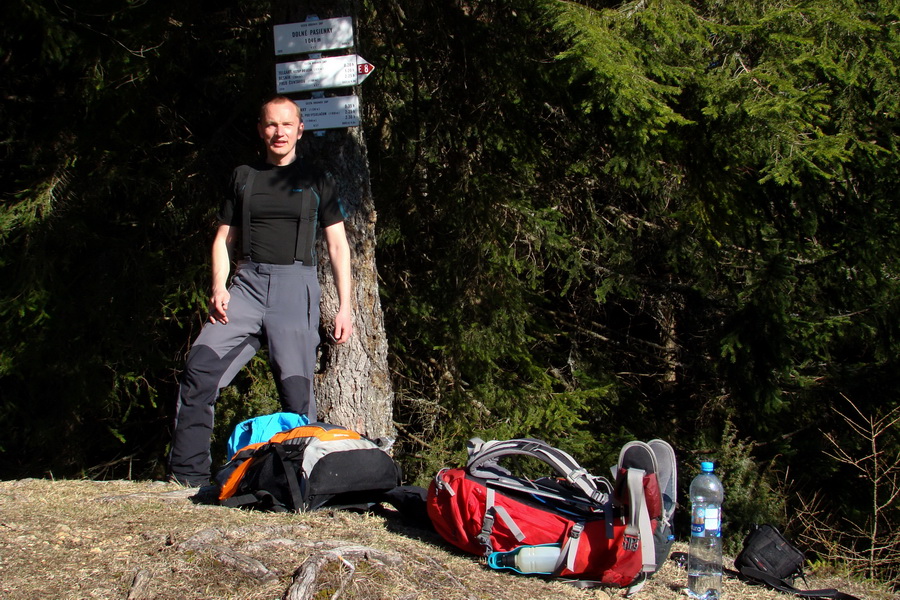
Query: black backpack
[[306, 468]]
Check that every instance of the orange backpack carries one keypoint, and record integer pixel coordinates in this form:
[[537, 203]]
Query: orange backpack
[[308, 467]]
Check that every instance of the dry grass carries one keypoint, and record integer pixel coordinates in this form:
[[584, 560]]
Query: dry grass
[[67, 540]]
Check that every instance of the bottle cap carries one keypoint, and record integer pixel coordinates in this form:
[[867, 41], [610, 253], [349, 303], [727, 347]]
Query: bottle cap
[[707, 467]]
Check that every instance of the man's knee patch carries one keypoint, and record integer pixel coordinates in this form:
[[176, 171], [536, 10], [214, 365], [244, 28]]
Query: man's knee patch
[[297, 395]]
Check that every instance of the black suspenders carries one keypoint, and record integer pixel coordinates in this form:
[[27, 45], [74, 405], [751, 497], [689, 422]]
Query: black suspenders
[[308, 207], [245, 222], [307, 211]]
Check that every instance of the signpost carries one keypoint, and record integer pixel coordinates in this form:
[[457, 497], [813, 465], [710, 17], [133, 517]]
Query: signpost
[[314, 36], [329, 113], [321, 73], [318, 73]]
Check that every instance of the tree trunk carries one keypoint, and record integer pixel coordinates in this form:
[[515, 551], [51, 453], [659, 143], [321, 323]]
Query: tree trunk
[[353, 386]]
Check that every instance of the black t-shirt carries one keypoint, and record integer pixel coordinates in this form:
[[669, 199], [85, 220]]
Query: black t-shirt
[[286, 204]]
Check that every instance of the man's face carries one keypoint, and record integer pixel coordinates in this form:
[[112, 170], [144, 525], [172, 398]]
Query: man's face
[[280, 128]]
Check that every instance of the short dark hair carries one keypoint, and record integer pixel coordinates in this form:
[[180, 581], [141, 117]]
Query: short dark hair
[[279, 99]]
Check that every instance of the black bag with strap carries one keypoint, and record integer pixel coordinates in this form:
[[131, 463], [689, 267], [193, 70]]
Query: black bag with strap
[[769, 558]]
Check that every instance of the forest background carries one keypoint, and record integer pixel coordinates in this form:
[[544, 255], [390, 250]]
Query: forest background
[[596, 222]]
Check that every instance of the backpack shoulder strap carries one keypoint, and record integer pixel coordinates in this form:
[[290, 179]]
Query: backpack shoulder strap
[[755, 575], [261, 497], [638, 529], [484, 456]]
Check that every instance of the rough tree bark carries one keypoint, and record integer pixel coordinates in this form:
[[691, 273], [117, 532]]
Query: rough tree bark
[[353, 387]]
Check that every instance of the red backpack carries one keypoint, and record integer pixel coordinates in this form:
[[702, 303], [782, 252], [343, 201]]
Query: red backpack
[[605, 534]]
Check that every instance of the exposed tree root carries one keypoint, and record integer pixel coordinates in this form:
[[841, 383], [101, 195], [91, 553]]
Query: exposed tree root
[[306, 576], [140, 586], [215, 542], [206, 541]]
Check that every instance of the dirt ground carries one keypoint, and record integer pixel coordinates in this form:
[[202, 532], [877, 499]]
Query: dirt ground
[[67, 540]]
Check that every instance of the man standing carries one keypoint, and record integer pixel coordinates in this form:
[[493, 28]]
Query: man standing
[[271, 217]]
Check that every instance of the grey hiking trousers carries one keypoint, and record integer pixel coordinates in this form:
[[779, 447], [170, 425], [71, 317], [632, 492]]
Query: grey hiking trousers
[[275, 304]]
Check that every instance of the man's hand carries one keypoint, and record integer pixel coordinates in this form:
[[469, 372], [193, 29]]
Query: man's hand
[[343, 326], [218, 306], [339, 253], [221, 266]]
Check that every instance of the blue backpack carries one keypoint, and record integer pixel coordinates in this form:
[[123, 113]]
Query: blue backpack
[[261, 429]]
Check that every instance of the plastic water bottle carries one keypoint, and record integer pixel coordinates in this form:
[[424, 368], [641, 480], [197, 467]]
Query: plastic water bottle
[[527, 559], [705, 556]]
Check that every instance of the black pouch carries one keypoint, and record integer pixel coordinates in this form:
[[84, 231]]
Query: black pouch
[[767, 550], [768, 558]]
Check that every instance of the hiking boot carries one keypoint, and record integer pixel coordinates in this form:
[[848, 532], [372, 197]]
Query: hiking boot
[[189, 481], [207, 494]]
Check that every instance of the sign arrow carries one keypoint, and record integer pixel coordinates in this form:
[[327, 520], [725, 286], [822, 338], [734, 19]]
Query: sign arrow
[[363, 69]]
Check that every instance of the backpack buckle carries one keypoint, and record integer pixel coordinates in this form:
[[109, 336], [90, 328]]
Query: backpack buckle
[[631, 542], [484, 536]]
